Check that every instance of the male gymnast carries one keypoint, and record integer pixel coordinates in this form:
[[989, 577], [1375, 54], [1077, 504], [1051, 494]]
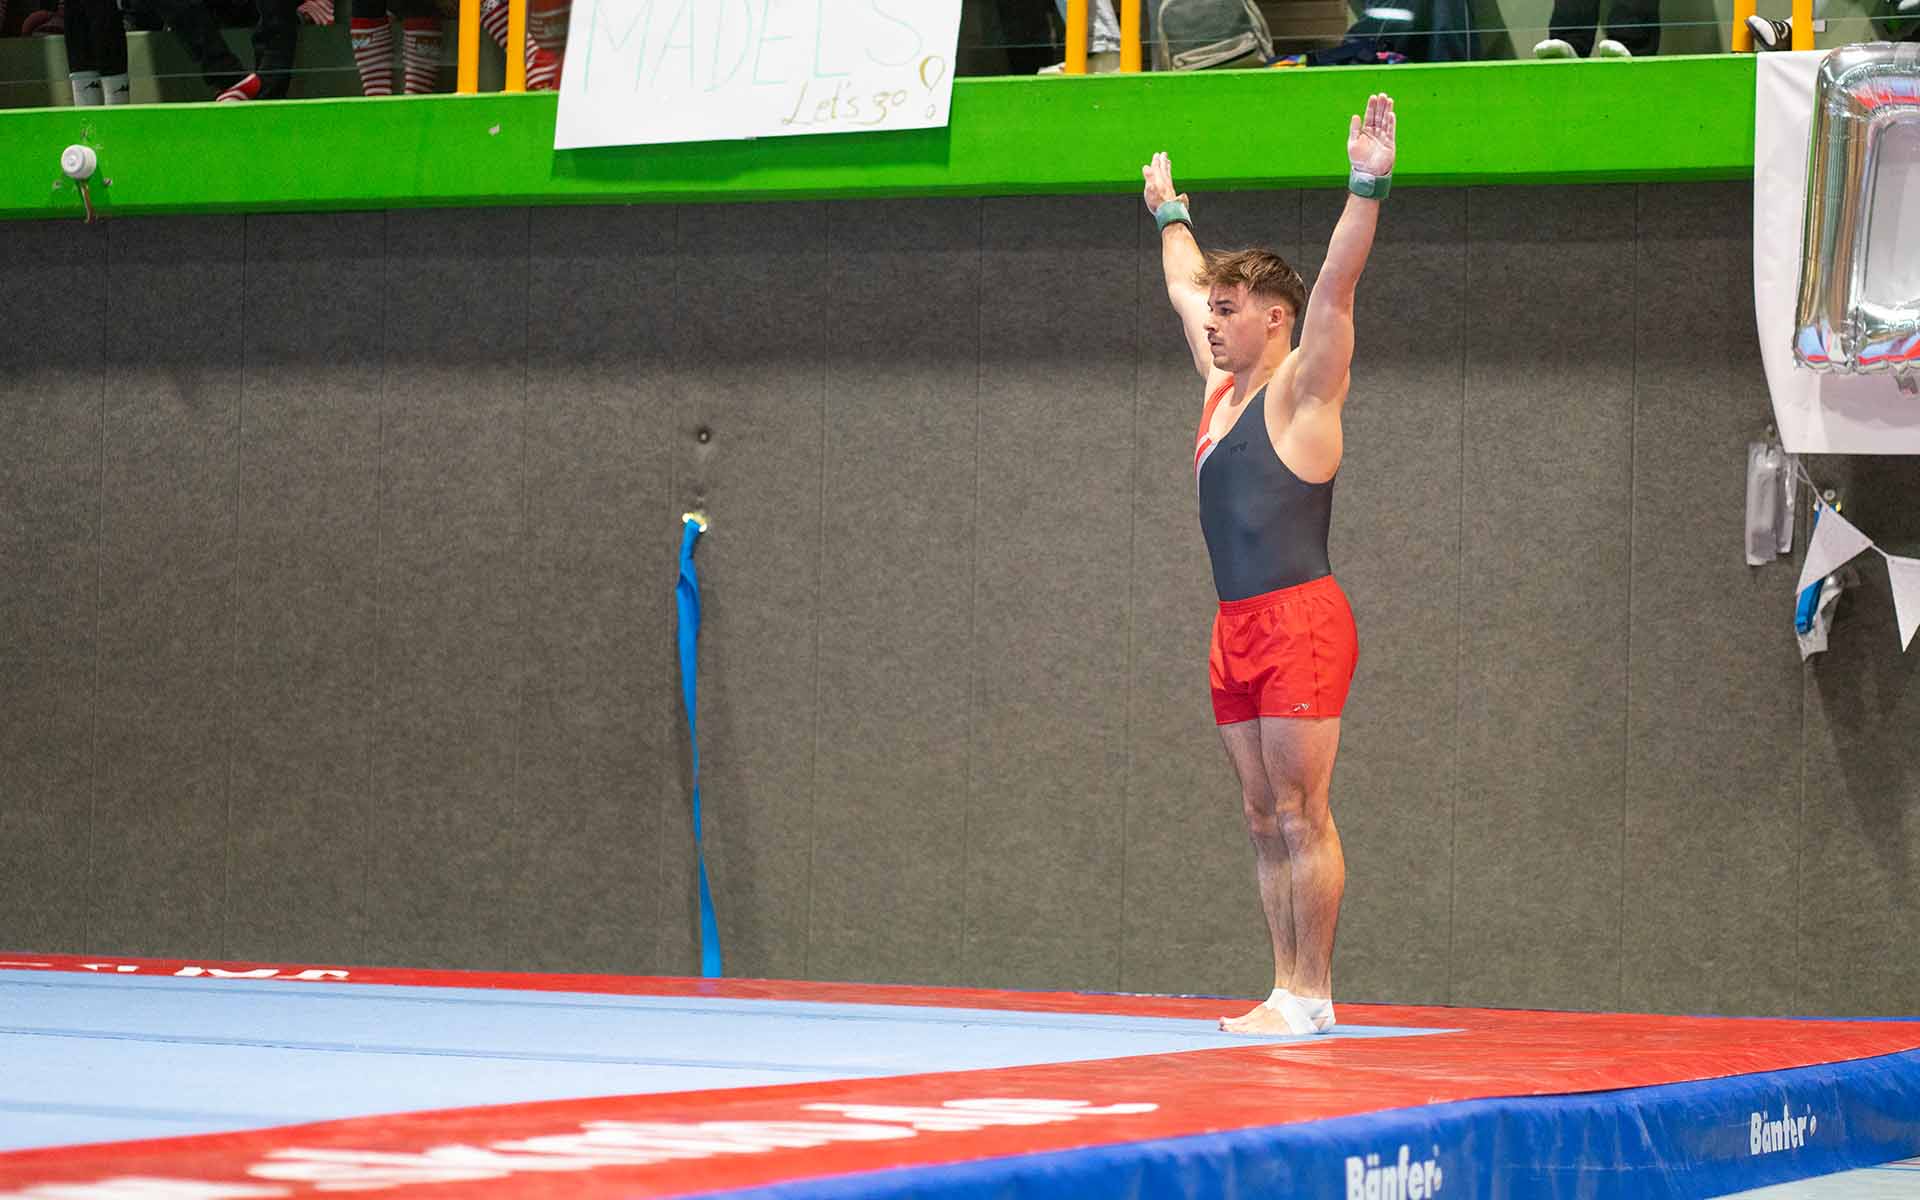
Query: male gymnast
[[1284, 645]]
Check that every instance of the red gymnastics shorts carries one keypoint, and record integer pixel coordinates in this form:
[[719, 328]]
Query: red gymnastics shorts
[[1289, 653]]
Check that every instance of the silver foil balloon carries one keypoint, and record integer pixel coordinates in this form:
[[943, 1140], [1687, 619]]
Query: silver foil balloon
[[1862, 92]]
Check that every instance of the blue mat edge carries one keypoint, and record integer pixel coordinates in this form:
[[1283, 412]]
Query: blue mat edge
[[1678, 1140]]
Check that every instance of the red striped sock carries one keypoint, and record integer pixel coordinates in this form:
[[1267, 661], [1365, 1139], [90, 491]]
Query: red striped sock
[[543, 69], [373, 54], [546, 42], [493, 19], [421, 49]]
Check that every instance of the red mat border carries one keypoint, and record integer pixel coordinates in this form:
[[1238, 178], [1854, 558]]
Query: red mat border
[[1496, 1053]]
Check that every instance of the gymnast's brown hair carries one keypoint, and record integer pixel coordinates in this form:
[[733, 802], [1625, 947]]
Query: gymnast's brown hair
[[1265, 274]]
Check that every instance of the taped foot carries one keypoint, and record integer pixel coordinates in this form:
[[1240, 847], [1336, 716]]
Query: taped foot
[[1281, 1014], [1314, 1013]]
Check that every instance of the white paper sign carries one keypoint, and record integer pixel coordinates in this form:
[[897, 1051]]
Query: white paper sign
[[640, 72]]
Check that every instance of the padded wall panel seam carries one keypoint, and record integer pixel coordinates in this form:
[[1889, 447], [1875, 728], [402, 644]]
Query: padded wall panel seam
[[1458, 791], [1132, 615], [168, 558], [1626, 699], [902, 278], [972, 797], [374, 692], [671, 719], [444, 839], [1711, 782], [1050, 588], [601, 431], [52, 398], [304, 531], [1537, 894], [233, 608]]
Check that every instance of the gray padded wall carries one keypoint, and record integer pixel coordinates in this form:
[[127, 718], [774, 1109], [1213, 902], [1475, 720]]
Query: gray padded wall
[[336, 607], [307, 522], [50, 469], [165, 713], [1858, 840], [1712, 752], [1547, 451]]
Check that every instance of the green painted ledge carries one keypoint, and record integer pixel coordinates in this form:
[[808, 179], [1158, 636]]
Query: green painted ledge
[[1681, 118]]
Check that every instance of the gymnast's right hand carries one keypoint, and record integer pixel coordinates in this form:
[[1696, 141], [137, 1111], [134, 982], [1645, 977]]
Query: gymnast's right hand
[[1159, 177]]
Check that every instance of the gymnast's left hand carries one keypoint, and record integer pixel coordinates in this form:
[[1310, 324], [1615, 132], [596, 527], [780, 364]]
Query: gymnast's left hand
[[1370, 137]]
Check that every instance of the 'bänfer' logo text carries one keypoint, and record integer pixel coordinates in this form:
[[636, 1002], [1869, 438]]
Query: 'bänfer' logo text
[[1399, 1178], [1767, 1134]]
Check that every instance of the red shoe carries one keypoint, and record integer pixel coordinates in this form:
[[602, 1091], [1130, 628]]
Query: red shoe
[[246, 89]]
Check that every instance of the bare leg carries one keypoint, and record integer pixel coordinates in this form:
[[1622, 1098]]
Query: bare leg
[[1296, 844], [1270, 861], [1299, 756]]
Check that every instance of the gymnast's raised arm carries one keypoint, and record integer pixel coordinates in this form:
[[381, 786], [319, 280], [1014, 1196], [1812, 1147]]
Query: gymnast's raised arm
[[1181, 260], [1326, 340]]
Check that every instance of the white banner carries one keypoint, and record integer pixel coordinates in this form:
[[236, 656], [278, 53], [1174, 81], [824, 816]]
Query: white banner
[[1824, 413], [1835, 541], [1905, 573], [640, 72]]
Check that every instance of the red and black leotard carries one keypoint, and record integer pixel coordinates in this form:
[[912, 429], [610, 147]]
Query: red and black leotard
[[1266, 529]]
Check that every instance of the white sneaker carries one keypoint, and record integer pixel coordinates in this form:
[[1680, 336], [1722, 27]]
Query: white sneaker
[[1769, 34], [1101, 62], [1608, 48], [1554, 48]]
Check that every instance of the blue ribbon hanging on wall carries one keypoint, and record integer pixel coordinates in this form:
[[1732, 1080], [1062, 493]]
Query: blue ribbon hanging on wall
[[687, 598]]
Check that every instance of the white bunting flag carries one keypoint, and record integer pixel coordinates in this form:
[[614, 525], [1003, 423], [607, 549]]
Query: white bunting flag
[[1835, 541], [1905, 573]]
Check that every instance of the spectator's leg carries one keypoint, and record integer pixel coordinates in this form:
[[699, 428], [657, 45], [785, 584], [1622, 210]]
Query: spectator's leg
[[139, 15], [274, 41], [1104, 34], [1573, 21], [97, 47], [112, 49], [546, 42], [493, 19], [420, 50], [83, 60], [372, 37], [1635, 24], [1023, 23], [194, 25], [546, 37]]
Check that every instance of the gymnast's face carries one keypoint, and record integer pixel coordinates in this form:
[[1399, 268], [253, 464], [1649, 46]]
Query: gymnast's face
[[1240, 327]]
